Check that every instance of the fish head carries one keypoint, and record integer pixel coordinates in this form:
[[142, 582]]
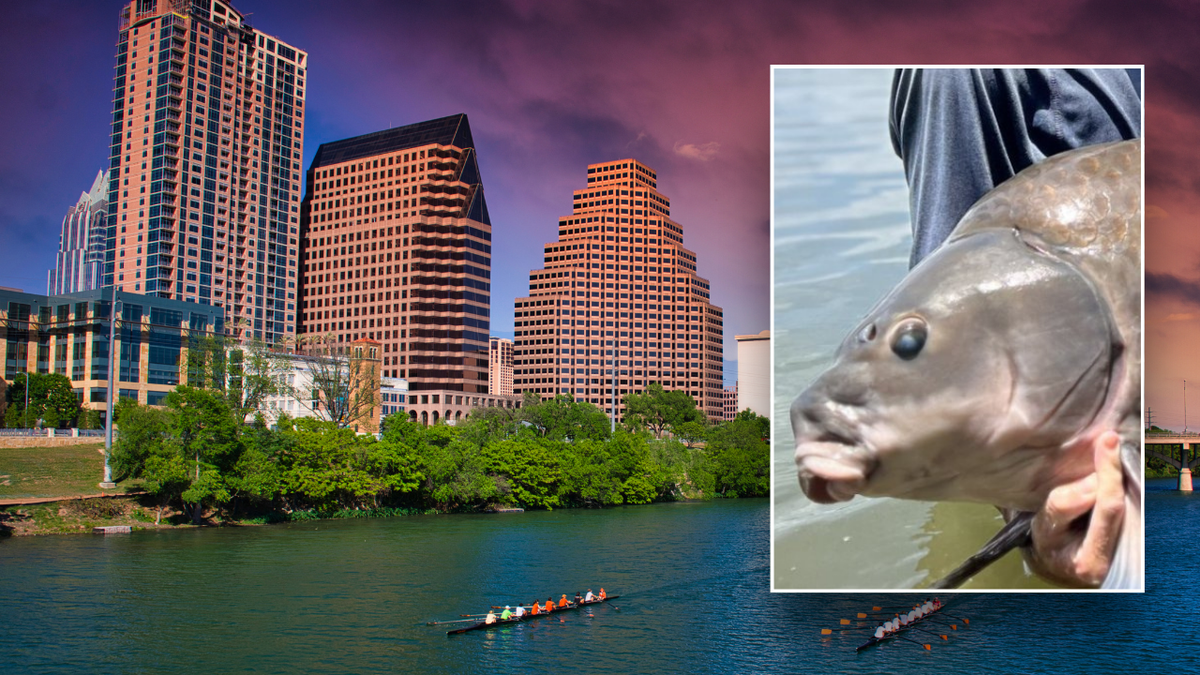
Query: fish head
[[970, 381]]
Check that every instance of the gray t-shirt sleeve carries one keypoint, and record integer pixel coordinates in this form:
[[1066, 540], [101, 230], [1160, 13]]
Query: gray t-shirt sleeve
[[962, 132]]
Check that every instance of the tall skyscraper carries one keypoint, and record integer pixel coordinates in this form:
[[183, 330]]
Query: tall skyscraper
[[207, 137], [397, 248], [81, 244], [619, 292], [500, 366]]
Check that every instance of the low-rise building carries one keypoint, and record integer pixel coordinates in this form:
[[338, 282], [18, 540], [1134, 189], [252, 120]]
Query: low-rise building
[[69, 334], [731, 403]]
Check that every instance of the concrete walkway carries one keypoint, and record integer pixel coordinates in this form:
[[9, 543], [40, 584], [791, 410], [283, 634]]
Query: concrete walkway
[[49, 500]]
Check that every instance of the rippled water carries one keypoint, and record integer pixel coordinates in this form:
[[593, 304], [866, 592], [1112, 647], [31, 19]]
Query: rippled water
[[354, 596], [842, 240]]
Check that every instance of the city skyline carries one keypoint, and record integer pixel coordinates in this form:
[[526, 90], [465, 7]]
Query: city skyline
[[685, 83], [718, 168]]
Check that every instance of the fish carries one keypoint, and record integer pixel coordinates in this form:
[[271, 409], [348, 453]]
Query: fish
[[989, 371]]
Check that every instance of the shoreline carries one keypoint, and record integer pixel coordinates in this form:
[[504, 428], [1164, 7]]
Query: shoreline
[[79, 515]]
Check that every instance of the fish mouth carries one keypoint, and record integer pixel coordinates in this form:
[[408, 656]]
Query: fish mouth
[[831, 468]]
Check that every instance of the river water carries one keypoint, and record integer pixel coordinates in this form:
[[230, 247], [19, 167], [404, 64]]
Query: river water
[[841, 241], [355, 596]]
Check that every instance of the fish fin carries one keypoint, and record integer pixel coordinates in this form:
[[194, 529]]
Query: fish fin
[[1017, 532], [1128, 568]]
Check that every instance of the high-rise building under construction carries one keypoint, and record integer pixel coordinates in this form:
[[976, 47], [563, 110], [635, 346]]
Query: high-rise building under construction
[[207, 138], [619, 304]]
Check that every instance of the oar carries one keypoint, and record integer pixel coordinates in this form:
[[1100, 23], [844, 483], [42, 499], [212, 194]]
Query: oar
[[831, 631], [926, 646], [435, 623], [922, 630]]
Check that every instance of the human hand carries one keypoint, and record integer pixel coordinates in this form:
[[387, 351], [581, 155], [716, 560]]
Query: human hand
[[1069, 549]]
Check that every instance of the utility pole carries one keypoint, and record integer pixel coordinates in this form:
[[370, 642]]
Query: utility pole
[[114, 308]]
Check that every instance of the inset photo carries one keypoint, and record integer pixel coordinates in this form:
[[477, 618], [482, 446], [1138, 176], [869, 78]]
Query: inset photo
[[957, 306]]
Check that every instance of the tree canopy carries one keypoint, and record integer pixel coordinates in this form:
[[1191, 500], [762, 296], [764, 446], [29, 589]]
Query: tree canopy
[[547, 454], [52, 402]]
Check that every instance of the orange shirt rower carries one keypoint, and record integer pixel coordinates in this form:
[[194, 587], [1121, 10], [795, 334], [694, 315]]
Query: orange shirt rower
[[550, 604], [603, 595], [537, 609], [563, 604]]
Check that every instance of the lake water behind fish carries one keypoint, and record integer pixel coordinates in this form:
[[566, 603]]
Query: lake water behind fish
[[842, 239], [354, 596]]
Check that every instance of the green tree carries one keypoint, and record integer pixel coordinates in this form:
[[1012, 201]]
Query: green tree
[[52, 402], [739, 458], [202, 431], [563, 418], [659, 410], [140, 451], [530, 468]]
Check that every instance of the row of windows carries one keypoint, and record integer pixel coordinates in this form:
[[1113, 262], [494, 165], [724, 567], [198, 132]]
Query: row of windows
[[398, 158]]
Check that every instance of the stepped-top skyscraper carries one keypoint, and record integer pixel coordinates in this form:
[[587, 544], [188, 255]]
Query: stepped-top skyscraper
[[619, 292], [397, 247], [207, 139], [81, 245]]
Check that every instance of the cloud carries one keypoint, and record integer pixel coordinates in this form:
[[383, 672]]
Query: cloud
[[1169, 285], [1182, 317], [702, 152], [1154, 211]]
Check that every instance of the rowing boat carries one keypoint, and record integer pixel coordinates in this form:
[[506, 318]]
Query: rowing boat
[[874, 640], [483, 625]]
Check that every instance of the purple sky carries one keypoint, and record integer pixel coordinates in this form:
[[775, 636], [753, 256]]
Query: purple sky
[[551, 86]]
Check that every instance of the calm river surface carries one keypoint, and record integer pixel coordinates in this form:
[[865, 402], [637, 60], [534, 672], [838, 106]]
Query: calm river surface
[[842, 240], [354, 596]]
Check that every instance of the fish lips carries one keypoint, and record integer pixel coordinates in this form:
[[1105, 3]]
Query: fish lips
[[832, 469]]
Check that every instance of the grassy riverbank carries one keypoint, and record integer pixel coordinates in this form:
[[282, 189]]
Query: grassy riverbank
[[63, 471]]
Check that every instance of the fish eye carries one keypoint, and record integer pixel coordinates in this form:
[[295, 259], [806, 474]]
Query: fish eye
[[909, 340]]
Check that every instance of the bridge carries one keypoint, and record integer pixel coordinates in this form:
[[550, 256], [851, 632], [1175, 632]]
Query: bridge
[[1187, 460]]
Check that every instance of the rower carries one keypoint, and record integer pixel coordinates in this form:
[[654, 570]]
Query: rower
[[578, 598], [536, 609], [879, 633], [491, 617], [519, 612], [550, 604], [603, 595], [563, 604], [506, 614], [589, 597]]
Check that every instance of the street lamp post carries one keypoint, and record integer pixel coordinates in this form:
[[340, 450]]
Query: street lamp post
[[114, 309]]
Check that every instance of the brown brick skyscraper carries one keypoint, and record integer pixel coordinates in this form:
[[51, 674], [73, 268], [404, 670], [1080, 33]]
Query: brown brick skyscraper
[[397, 248], [207, 137], [619, 278]]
